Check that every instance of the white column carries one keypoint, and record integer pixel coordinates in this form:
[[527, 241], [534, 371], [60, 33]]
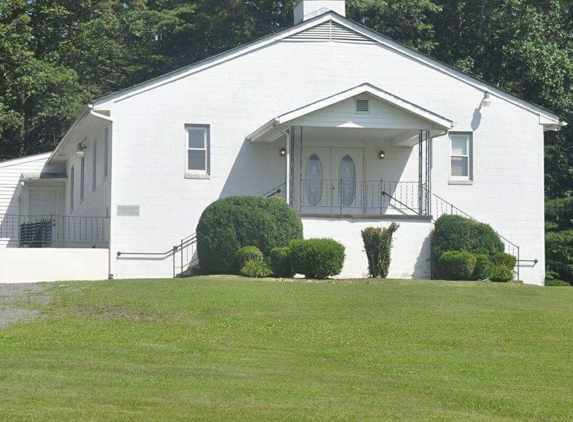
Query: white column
[[287, 167]]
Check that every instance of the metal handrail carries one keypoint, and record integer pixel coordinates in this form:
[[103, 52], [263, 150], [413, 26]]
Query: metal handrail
[[400, 202], [507, 243], [187, 241]]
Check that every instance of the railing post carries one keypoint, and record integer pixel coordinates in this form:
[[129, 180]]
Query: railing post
[[174, 251]]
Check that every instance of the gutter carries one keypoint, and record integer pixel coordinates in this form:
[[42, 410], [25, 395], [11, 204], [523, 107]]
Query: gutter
[[86, 112]]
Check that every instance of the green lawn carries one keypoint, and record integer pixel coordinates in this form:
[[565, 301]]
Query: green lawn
[[226, 348]]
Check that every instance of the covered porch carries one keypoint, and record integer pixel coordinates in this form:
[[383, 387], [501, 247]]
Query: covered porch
[[360, 153]]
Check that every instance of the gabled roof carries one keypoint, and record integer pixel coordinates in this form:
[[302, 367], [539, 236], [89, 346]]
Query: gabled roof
[[360, 32], [24, 160], [268, 131]]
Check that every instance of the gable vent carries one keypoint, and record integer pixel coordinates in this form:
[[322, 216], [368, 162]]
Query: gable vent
[[362, 106], [330, 31]]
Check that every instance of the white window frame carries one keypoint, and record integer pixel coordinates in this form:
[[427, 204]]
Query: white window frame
[[94, 168], [72, 187], [82, 179], [469, 148], [207, 131], [106, 154]]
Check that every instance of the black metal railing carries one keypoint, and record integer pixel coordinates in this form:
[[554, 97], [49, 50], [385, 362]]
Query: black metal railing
[[56, 231], [440, 206], [363, 197], [278, 191]]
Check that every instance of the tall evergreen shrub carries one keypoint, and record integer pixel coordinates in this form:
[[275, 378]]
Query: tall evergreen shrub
[[378, 245]]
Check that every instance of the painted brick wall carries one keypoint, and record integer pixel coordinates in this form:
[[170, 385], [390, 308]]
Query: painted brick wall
[[240, 95]]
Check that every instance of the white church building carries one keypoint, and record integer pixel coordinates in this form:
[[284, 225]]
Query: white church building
[[351, 128]]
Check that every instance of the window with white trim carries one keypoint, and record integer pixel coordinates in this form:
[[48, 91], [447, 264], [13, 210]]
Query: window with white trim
[[197, 149], [94, 168], [72, 187], [460, 156], [82, 178], [105, 154]]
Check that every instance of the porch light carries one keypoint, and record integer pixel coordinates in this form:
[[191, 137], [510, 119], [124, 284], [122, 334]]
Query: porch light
[[282, 152], [381, 155], [486, 102], [81, 149]]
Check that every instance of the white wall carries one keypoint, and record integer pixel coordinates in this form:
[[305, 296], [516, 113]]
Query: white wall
[[14, 197], [32, 265], [96, 202], [240, 95], [410, 252]]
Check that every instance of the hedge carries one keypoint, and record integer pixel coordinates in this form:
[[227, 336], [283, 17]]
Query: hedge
[[482, 269], [456, 265], [281, 263], [248, 253], [234, 222], [456, 233], [317, 258], [501, 273]]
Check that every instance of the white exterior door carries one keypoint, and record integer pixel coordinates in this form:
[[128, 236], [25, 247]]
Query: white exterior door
[[331, 180], [347, 167]]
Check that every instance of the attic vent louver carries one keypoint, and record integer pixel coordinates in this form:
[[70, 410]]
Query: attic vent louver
[[362, 106], [330, 31]]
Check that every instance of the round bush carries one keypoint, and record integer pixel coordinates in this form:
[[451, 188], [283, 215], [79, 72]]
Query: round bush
[[456, 265], [281, 262], [237, 221], [317, 258], [504, 259], [501, 273], [256, 268], [482, 269], [248, 253], [456, 233]]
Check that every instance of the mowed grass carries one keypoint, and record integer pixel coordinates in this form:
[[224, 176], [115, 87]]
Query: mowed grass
[[229, 348]]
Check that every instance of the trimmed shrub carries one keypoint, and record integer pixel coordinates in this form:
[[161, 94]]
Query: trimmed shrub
[[237, 221], [281, 263], [504, 259], [317, 258], [482, 269], [456, 265], [248, 253], [378, 245], [456, 233], [256, 268], [501, 273]]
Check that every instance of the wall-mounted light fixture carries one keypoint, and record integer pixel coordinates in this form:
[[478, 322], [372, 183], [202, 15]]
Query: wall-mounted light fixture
[[81, 149], [381, 155], [282, 152], [486, 102]]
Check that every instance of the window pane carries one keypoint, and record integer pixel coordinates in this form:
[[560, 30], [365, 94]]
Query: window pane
[[347, 181], [196, 160], [459, 146], [196, 138], [314, 180], [460, 167]]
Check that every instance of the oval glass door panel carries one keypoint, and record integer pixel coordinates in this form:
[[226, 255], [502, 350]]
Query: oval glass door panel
[[347, 181], [314, 180]]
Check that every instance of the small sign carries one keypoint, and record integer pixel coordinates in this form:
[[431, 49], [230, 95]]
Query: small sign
[[128, 210]]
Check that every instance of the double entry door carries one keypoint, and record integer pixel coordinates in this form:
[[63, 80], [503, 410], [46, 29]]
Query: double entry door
[[332, 180]]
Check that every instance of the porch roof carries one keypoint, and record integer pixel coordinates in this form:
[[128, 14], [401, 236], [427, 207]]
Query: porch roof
[[427, 119]]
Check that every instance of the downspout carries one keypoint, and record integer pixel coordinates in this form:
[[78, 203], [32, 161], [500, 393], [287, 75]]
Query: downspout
[[110, 180]]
